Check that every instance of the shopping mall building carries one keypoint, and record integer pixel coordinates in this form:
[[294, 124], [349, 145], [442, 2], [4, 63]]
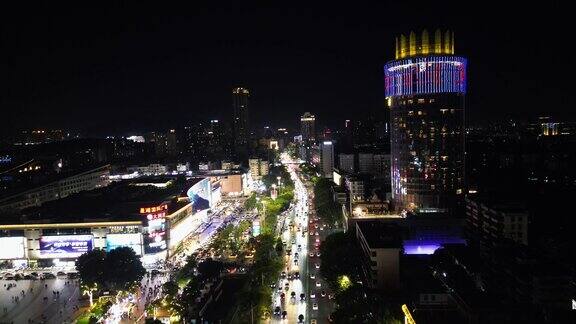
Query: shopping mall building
[[150, 215]]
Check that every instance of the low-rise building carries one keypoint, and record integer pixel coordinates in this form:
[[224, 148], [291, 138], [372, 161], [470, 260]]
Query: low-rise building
[[150, 215], [381, 246], [61, 187]]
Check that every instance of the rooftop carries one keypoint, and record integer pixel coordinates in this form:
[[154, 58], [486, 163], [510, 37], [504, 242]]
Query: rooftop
[[380, 235], [119, 201]]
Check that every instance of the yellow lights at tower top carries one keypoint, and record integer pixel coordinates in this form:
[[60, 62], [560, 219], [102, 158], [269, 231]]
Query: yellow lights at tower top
[[422, 44]]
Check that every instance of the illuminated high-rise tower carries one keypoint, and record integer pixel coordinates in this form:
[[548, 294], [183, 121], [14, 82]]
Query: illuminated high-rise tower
[[307, 127], [425, 92], [240, 123]]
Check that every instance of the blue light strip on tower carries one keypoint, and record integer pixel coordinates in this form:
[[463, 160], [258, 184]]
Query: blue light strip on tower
[[425, 75]]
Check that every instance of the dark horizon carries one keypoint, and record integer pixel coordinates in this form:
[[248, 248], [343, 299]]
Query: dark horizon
[[128, 68]]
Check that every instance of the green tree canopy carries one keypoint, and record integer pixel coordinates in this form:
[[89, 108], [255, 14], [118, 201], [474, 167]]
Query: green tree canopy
[[123, 268], [91, 267]]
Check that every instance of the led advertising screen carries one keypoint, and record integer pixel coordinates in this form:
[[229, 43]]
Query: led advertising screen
[[133, 241], [155, 239], [200, 195], [65, 246], [12, 248]]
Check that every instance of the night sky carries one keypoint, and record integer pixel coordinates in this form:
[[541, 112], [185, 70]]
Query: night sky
[[124, 67]]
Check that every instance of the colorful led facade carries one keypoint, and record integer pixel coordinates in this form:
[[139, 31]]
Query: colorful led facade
[[425, 75], [425, 90]]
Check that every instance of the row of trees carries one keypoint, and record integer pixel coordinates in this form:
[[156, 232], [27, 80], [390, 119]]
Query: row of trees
[[326, 208], [256, 295]]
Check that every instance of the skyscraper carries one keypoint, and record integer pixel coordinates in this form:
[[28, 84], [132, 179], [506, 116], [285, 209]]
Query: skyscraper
[[308, 128], [241, 122], [425, 91], [327, 158]]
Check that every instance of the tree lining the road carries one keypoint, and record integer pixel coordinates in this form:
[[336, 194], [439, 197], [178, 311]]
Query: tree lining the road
[[256, 294], [354, 302], [326, 208], [119, 269], [335, 248]]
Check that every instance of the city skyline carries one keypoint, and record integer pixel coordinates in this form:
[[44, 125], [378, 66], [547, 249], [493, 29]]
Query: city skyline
[[131, 69]]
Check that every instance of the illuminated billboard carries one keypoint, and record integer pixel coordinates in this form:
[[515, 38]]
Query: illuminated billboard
[[155, 239], [12, 248], [133, 241], [200, 195], [65, 246]]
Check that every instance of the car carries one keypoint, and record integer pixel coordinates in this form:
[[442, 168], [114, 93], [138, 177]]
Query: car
[[315, 306], [312, 276], [330, 296], [282, 295], [283, 275], [313, 321], [311, 254], [297, 275], [296, 261], [293, 294], [277, 310], [317, 240], [311, 233], [284, 314], [323, 293], [318, 284], [302, 296], [279, 288], [286, 284], [73, 275], [296, 254], [316, 234], [317, 265], [300, 318], [315, 225], [273, 285], [312, 295], [318, 254]]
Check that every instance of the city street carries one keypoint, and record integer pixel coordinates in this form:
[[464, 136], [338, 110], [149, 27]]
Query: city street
[[302, 234]]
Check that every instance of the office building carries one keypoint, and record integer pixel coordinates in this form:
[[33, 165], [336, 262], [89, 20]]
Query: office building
[[355, 187], [258, 168], [308, 127], [346, 162], [365, 162], [490, 221], [425, 91], [241, 121], [327, 158]]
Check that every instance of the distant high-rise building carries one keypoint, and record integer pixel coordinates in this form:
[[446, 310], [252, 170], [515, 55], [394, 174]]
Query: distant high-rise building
[[425, 91], [241, 122], [308, 128], [346, 162], [365, 162], [327, 158], [171, 143]]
